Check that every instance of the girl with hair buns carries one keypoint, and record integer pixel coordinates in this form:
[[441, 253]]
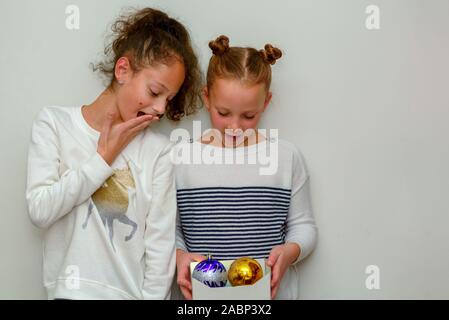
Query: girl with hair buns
[[100, 181], [231, 210]]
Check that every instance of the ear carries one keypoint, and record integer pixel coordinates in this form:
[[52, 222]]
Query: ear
[[205, 96], [267, 100], [122, 70]]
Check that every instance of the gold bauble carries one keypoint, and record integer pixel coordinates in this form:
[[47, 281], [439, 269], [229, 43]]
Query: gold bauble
[[244, 271]]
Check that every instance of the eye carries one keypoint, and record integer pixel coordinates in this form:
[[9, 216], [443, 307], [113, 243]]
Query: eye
[[249, 117], [152, 93], [223, 114]]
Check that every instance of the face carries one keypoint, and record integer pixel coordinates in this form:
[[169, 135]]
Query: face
[[148, 90], [233, 105]]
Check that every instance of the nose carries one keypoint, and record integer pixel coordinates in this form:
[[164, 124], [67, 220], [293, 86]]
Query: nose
[[158, 107], [234, 125]]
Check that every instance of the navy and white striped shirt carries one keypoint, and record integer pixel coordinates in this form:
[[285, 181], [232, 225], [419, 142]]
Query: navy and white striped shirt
[[231, 210], [230, 222]]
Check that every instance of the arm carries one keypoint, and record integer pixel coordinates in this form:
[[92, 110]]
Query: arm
[[51, 196], [301, 234], [160, 258], [301, 227]]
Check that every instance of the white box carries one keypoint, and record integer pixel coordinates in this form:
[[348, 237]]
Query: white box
[[261, 290]]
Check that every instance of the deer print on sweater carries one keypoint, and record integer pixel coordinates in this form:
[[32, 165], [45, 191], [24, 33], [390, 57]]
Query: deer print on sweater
[[112, 201]]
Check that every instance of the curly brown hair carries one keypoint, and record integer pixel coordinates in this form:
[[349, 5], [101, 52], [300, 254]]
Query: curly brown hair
[[149, 36]]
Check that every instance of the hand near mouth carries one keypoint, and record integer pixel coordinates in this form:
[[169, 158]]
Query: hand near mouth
[[115, 137]]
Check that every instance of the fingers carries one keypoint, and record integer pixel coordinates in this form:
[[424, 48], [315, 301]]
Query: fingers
[[131, 128], [274, 255], [274, 291], [114, 138], [197, 257], [184, 277], [275, 276], [135, 122], [185, 283], [135, 130], [276, 269], [183, 280], [277, 273], [186, 293]]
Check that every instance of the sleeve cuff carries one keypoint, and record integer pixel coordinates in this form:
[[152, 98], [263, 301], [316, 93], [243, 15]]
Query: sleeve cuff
[[97, 170], [180, 245]]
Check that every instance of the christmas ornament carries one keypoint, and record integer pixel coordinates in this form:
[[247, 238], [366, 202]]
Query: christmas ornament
[[211, 272], [244, 271]]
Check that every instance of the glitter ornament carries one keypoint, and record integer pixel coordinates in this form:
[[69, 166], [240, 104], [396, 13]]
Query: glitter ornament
[[244, 271], [211, 272]]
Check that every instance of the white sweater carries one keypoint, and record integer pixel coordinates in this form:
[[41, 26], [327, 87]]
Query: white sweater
[[233, 210], [110, 230]]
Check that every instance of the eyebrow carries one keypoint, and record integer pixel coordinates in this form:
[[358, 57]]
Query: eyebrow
[[227, 110], [221, 108], [162, 85], [159, 84]]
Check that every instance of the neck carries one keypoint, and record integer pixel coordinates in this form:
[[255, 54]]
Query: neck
[[96, 112]]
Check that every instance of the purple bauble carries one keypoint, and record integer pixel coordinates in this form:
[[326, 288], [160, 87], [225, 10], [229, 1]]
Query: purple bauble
[[211, 272]]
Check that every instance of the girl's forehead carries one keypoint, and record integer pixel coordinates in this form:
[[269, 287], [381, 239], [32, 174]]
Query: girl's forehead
[[237, 84], [169, 75], [228, 93]]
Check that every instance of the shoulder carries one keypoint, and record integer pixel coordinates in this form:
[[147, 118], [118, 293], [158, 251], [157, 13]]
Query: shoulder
[[53, 117], [57, 111], [292, 153], [55, 114], [290, 149]]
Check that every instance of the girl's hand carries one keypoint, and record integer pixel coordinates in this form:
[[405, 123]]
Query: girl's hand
[[114, 138], [183, 260], [281, 257]]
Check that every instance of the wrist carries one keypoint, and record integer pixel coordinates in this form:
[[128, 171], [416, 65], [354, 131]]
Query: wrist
[[105, 156], [293, 251], [179, 252]]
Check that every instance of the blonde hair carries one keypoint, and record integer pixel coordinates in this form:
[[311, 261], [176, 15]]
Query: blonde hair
[[248, 65]]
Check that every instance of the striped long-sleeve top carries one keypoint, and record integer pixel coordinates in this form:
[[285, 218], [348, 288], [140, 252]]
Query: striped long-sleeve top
[[244, 201]]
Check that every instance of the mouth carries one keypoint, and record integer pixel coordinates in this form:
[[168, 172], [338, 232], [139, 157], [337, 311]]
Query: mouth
[[233, 138], [235, 134]]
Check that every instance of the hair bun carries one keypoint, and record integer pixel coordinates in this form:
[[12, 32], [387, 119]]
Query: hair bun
[[220, 45], [270, 54]]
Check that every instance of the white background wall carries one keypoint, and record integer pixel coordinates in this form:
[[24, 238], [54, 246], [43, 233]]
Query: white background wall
[[368, 109]]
